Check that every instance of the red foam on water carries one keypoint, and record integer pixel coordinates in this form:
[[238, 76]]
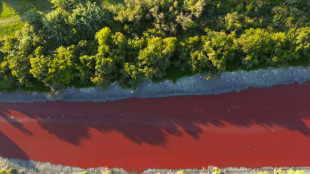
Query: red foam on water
[[253, 128]]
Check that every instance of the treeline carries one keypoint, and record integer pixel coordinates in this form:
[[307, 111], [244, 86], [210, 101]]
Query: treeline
[[87, 43]]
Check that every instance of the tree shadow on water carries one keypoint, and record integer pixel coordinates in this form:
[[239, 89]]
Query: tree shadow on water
[[9, 149], [9, 118], [151, 121], [14, 154]]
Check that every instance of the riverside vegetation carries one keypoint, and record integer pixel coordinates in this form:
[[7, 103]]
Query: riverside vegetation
[[85, 43]]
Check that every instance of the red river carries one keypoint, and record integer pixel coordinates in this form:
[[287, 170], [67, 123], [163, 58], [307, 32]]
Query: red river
[[252, 128]]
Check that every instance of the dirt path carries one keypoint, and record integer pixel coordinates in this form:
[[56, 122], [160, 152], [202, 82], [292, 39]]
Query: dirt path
[[253, 128]]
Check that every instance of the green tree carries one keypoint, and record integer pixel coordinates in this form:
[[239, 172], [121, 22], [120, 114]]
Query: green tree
[[232, 22], [155, 58], [168, 16], [219, 48], [57, 29], [192, 56], [130, 75], [283, 49], [40, 65], [256, 46], [208, 53], [103, 36], [35, 19], [87, 19], [86, 68], [7, 81], [19, 66], [302, 41], [54, 70], [69, 4], [105, 69], [62, 67]]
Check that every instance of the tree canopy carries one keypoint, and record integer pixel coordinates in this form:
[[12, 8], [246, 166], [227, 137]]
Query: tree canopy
[[86, 43]]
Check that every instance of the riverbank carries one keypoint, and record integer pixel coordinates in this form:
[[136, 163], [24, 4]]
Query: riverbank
[[35, 167], [194, 85]]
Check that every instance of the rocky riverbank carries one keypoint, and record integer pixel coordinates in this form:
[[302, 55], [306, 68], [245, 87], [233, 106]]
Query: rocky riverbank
[[195, 85]]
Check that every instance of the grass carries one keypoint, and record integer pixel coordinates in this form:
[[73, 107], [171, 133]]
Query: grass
[[10, 21], [11, 14], [9, 29], [6, 11], [21, 6]]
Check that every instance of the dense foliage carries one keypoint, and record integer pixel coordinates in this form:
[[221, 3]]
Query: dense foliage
[[82, 42]]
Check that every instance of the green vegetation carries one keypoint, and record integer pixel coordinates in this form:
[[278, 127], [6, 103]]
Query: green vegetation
[[104, 170], [12, 14], [215, 170], [82, 43], [279, 171], [84, 172], [180, 172], [9, 20], [7, 171]]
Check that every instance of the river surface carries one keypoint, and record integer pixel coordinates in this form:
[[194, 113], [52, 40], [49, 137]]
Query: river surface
[[253, 128]]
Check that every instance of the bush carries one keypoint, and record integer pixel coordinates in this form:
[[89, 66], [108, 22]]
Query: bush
[[87, 19]]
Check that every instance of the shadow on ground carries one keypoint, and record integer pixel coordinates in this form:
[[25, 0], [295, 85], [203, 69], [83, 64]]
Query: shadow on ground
[[1, 6], [152, 120], [22, 6]]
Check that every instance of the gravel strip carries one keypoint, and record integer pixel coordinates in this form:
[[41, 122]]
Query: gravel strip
[[194, 85], [228, 170], [33, 167]]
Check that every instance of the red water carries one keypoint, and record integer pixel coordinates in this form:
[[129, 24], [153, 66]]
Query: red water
[[253, 128]]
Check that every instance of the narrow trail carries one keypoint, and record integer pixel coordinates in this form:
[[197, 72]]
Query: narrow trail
[[252, 128]]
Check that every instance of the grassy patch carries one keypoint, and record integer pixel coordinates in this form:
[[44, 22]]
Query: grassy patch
[[8, 29], [11, 13], [9, 20], [21, 6], [6, 11]]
